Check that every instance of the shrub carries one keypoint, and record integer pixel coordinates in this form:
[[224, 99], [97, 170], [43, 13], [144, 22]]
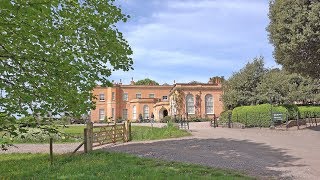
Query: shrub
[[293, 110], [306, 111], [258, 115], [224, 116]]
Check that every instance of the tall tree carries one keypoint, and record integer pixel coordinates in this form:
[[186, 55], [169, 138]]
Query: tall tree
[[241, 87], [146, 81], [294, 30], [52, 53]]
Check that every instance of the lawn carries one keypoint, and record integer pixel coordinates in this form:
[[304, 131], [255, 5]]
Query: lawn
[[74, 133], [104, 165]]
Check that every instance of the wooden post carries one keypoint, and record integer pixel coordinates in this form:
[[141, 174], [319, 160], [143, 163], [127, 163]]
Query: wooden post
[[89, 135], [130, 135], [85, 140], [298, 122], [114, 133], [51, 151], [287, 118], [124, 134]]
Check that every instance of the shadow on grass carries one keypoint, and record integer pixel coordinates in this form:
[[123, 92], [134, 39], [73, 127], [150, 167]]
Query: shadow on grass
[[252, 158]]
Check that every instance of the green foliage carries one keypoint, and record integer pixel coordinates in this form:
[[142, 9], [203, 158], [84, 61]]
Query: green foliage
[[241, 87], [293, 110], [259, 115], [147, 81], [251, 85], [104, 165], [224, 116], [294, 31], [309, 111], [53, 53]]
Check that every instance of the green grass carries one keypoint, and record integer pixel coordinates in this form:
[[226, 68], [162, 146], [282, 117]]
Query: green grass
[[104, 165], [75, 134]]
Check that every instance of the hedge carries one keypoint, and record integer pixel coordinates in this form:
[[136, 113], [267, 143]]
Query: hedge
[[306, 111], [258, 115]]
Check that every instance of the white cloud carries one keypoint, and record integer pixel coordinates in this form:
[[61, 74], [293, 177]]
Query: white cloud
[[193, 40]]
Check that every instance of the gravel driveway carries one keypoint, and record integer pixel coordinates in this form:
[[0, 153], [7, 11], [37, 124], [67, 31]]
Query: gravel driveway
[[260, 152]]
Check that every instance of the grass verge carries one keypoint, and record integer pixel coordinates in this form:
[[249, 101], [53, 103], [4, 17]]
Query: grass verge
[[75, 134], [104, 165]]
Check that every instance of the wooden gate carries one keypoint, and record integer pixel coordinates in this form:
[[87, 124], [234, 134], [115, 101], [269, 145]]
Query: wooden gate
[[97, 135]]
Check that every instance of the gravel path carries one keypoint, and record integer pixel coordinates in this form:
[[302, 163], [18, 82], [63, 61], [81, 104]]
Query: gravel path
[[260, 152]]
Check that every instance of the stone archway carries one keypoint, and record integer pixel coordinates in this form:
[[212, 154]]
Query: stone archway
[[163, 112]]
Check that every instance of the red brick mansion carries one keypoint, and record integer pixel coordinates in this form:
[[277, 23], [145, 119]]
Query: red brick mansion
[[128, 101]]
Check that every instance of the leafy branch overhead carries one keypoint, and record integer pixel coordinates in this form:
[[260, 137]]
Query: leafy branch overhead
[[294, 30], [52, 53]]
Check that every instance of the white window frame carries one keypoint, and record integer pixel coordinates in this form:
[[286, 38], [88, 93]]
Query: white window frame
[[125, 97], [209, 104], [190, 104], [102, 114], [124, 114], [113, 96], [138, 94], [165, 99], [151, 95], [134, 112], [101, 97], [145, 111], [113, 113]]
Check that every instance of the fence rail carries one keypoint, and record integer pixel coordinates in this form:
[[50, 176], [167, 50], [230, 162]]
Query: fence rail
[[105, 134]]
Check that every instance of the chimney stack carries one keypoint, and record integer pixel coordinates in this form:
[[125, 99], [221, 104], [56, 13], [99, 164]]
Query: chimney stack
[[132, 82]]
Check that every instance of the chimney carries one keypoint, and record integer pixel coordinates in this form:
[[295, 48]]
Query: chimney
[[132, 82]]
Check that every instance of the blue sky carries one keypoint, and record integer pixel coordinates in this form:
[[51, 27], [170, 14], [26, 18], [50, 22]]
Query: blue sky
[[187, 40]]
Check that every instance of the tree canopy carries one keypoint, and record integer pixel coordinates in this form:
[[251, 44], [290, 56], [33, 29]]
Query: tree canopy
[[53, 53], [254, 84], [146, 81], [241, 87], [294, 30]]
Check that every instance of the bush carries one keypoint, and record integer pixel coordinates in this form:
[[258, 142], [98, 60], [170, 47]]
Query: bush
[[293, 110], [306, 111], [224, 116], [258, 115], [167, 119]]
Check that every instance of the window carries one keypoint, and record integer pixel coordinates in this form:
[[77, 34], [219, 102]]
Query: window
[[113, 96], [209, 104], [112, 113], [145, 111], [101, 97], [125, 114], [151, 95], [138, 95], [125, 97], [190, 104], [134, 112], [101, 114], [165, 98]]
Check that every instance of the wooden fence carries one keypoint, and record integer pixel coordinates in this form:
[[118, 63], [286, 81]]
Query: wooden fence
[[97, 135]]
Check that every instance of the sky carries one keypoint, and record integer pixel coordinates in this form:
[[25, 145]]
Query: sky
[[193, 40]]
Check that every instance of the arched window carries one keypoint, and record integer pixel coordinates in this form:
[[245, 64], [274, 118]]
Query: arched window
[[190, 104], [134, 112], [209, 104], [145, 111]]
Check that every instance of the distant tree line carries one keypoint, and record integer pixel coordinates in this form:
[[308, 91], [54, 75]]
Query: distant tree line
[[254, 84]]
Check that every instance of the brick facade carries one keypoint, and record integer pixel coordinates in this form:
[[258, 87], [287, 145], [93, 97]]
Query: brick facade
[[120, 101]]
